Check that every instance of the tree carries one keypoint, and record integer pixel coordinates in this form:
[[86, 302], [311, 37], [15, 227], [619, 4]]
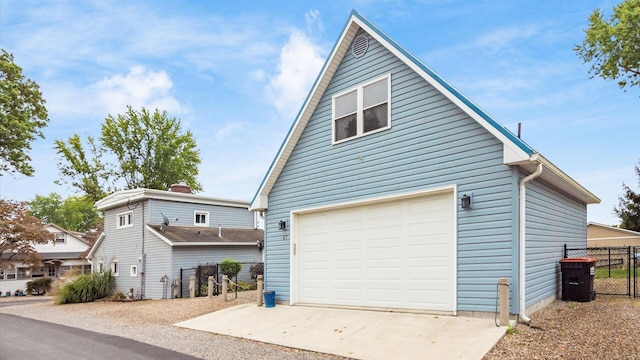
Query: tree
[[22, 115], [19, 232], [613, 45], [150, 151], [75, 213], [628, 209]]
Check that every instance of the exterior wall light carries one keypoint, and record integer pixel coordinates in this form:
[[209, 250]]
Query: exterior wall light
[[466, 200]]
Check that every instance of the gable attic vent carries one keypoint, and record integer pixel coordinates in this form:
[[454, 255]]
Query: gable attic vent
[[360, 46]]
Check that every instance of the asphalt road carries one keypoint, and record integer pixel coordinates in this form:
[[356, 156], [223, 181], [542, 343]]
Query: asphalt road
[[23, 338]]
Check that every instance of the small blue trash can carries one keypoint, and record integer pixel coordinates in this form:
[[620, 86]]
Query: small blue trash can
[[269, 299]]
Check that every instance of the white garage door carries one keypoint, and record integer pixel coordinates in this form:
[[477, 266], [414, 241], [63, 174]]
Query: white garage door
[[392, 254]]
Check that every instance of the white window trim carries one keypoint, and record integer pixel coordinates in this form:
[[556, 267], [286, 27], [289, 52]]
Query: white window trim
[[100, 266], [206, 213], [126, 225], [133, 271], [64, 238], [360, 110], [116, 271]]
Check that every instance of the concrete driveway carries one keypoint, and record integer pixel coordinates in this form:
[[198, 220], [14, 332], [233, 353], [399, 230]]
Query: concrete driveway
[[355, 333]]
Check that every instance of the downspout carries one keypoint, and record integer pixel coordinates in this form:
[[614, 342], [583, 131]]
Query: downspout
[[143, 263], [521, 241]]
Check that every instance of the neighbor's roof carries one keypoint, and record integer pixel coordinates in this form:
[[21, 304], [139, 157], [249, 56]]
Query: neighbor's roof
[[75, 234], [124, 197], [192, 236], [516, 151], [62, 255], [621, 230]]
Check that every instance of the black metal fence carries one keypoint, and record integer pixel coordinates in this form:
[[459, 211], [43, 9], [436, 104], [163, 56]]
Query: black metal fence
[[617, 268], [245, 279]]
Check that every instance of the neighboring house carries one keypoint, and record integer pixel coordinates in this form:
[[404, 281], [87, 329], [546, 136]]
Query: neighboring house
[[65, 253], [392, 190], [599, 235], [150, 234]]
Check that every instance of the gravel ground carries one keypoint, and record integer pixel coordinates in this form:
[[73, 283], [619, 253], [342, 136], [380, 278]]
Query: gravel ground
[[606, 328], [151, 322]]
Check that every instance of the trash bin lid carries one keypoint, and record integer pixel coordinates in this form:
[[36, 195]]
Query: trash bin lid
[[578, 260]]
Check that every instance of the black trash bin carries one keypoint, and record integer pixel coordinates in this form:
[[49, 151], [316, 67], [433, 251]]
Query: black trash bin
[[577, 279]]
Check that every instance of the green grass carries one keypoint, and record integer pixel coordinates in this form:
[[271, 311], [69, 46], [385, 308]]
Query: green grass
[[603, 273]]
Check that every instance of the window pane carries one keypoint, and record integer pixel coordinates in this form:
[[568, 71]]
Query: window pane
[[346, 127], [346, 104], [375, 93], [375, 118]]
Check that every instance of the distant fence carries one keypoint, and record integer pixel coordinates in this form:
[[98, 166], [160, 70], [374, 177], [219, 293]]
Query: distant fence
[[617, 268], [245, 279]]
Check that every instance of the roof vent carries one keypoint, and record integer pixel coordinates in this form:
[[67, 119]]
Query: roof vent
[[360, 46]]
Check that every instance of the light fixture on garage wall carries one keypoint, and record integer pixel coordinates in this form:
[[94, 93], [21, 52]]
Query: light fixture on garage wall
[[466, 200], [282, 225]]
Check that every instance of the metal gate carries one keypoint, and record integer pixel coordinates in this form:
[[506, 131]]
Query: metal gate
[[201, 273], [617, 268]]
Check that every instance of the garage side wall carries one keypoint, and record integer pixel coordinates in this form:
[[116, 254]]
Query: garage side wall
[[157, 264], [431, 143], [552, 220]]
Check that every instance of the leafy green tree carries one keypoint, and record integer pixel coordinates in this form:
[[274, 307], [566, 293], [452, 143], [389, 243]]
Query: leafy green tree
[[149, 151], [22, 115], [76, 213], [628, 209], [613, 46], [19, 232]]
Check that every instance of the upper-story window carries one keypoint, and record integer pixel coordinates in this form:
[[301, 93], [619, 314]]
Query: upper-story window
[[201, 218], [61, 238], [362, 110], [124, 220]]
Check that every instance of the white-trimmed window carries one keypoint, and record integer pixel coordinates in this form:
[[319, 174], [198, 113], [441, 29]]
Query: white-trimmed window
[[1, 274], [124, 220], [24, 273], [362, 110], [10, 274], [133, 271], [100, 266], [61, 238], [201, 218], [115, 267]]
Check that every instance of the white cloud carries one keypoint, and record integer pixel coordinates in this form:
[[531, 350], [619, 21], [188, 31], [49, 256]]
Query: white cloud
[[228, 129], [299, 64], [139, 88]]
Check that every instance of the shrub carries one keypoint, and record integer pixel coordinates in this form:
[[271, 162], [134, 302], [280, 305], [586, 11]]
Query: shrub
[[86, 288], [230, 267], [255, 270], [39, 286]]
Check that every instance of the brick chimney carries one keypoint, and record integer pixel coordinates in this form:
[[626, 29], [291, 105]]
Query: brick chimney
[[180, 187]]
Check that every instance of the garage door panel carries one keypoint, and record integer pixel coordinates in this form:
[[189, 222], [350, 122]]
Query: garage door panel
[[395, 254]]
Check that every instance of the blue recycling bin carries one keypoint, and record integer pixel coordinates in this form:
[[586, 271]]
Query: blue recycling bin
[[269, 299]]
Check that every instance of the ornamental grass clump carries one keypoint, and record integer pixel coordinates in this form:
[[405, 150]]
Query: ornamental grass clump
[[86, 288]]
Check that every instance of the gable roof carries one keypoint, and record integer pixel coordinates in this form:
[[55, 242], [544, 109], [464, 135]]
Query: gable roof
[[198, 236], [77, 235], [623, 232], [124, 197], [516, 151]]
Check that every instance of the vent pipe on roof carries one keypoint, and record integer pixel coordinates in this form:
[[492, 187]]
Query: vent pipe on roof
[[519, 129], [219, 230]]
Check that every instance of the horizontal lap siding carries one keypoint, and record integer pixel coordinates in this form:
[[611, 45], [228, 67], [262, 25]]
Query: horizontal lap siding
[[124, 245], [182, 214], [431, 143], [552, 220], [158, 264]]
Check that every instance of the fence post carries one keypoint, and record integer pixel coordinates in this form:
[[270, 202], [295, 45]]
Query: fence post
[[176, 287], [225, 284], [260, 286], [192, 286], [210, 287]]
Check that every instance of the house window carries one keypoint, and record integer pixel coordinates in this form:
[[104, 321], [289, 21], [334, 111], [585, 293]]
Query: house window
[[115, 266], [64, 269], [133, 271], [60, 238], [201, 218], [10, 274], [24, 273], [100, 266], [1, 274], [363, 110], [37, 272], [125, 220], [51, 270]]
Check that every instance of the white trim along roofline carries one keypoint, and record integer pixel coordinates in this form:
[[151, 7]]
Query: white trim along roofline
[[515, 151], [124, 197], [630, 232], [96, 245]]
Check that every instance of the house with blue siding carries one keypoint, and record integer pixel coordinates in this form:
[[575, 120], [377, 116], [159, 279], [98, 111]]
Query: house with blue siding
[[149, 235], [392, 190]]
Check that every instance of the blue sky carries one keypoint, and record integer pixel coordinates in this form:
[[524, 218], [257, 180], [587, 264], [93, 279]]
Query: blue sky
[[236, 73]]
